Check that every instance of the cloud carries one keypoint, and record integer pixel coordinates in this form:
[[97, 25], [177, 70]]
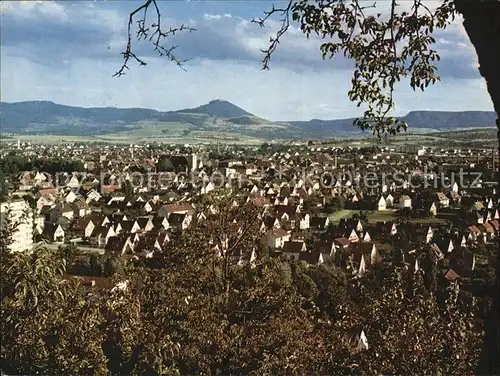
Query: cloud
[[458, 55], [49, 32], [91, 31]]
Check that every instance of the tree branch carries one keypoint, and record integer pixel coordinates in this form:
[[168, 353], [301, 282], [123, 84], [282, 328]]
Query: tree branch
[[155, 36], [274, 41]]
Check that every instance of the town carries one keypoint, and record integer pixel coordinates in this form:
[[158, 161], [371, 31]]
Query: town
[[353, 206], [339, 234], [300, 188]]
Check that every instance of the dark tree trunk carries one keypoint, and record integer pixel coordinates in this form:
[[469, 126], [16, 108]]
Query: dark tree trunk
[[482, 23]]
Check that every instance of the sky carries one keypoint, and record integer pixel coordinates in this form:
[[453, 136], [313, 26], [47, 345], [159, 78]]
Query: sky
[[67, 52]]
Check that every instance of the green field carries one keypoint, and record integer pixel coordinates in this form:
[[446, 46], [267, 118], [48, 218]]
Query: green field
[[121, 138], [341, 214], [252, 134], [384, 216]]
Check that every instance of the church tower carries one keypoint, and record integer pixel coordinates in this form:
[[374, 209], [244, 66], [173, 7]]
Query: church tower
[[193, 161]]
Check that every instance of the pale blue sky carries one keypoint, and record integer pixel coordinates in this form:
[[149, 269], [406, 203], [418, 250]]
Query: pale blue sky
[[67, 52]]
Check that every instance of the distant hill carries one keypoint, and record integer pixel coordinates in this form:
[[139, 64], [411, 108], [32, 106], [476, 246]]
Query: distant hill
[[443, 120], [218, 117], [435, 120], [217, 108], [49, 117]]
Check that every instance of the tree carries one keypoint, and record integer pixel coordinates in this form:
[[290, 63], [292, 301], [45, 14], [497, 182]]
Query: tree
[[331, 284], [97, 264], [4, 186], [127, 188], [69, 252], [182, 320], [338, 202], [384, 50], [165, 164], [111, 266]]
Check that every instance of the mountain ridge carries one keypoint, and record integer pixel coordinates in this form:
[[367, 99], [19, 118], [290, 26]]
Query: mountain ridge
[[47, 117]]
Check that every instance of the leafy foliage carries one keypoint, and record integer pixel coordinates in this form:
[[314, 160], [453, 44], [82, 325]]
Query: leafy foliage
[[213, 308], [384, 51]]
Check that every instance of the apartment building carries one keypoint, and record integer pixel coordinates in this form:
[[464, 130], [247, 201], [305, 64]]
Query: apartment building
[[20, 215]]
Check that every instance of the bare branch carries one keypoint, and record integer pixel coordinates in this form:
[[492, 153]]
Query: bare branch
[[274, 41], [153, 34]]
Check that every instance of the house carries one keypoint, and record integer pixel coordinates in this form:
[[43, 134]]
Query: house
[[437, 251], [39, 178], [319, 223], [451, 275], [145, 224], [61, 210], [168, 209], [382, 204], [313, 258], [53, 232], [277, 237], [119, 245], [433, 209], [353, 237], [26, 181], [455, 197], [130, 227], [161, 241], [429, 235], [39, 223], [149, 206], [101, 235], [405, 202], [92, 195], [442, 200], [488, 229], [368, 250], [389, 200], [80, 208], [181, 221], [70, 197], [207, 188], [44, 200], [292, 250], [304, 221], [342, 242], [474, 233], [394, 229], [73, 183], [83, 226], [161, 223]]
